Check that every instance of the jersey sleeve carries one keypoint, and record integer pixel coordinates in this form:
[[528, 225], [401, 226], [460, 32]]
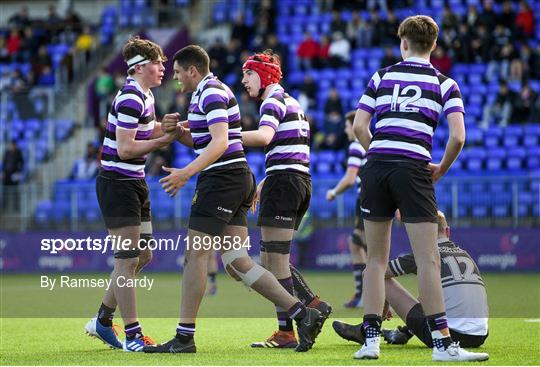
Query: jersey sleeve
[[129, 108], [367, 101], [213, 102], [452, 100], [356, 155], [403, 265], [272, 112]]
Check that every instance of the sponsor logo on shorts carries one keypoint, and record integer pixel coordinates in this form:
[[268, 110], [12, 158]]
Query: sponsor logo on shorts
[[365, 210], [279, 217], [195, 196], [221, 209]]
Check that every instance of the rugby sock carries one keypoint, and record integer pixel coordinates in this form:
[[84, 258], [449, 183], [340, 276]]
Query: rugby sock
[[301, 289], [297, 311], [357, 273], [284, 321], [105, 315], [185, 332], [371, 327], [438, 324], [133, 331]]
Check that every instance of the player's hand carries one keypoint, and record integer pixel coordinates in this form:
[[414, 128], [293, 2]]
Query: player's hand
[[257, 197], [176, 179], [170, 122], [330, 195], [436, 171]]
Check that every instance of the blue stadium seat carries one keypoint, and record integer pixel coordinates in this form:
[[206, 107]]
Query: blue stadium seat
[[501, 210], [516, 155]]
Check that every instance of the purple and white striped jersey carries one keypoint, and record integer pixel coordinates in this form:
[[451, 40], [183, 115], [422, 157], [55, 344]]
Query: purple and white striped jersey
[[356, 155], [289, 148], [131, 109], [408, 99], [213, 102]]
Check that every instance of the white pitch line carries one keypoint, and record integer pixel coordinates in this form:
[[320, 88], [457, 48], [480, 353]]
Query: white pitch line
[[532, 320]]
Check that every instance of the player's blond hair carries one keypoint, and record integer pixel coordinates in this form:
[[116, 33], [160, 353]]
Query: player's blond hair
[[442, 224], [147, 49], [420, 31]]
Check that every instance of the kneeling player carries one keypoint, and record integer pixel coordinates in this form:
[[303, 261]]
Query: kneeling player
[[464, 297], [357, 243]]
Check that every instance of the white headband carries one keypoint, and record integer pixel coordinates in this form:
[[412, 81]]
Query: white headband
[[137, 60]]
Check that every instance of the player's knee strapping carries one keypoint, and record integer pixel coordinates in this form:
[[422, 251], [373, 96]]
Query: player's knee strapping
[[249, 277], [145, 239], [276, 247], [357, 240]]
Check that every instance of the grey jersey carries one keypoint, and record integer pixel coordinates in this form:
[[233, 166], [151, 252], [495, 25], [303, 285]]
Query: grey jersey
[[464, 291]]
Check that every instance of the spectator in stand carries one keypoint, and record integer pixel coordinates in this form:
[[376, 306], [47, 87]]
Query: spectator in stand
[[323, 57], [389, 57], [12, 175], [524, 21], [233, 57], [472, 17], [249, 122], [218, 56], [104, 87], [337, 24], [158, 159], [391, 25], [5, 81], [499, 67], [359, 31], [441, 61], [86, 168], [46, 79], [461, 44], [241, 31], [377, 4], [29, 45], [73, 21], [379, 29], [481, 45], [501, 108], [18, 82], [339, 51], [85, 42], [20, 19], [334, 126], [307, 52], [507, 17], [534, 63], [488, 18], [310, 89], [54, 22], [4, 54], [524, 104], [535, 114], [449, 21], [13, 44]]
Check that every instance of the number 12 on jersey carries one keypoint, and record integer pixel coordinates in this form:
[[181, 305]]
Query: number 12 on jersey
[[404, 105]]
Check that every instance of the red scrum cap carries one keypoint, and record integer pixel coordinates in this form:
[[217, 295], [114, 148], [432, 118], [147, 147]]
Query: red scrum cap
[[266, 66]]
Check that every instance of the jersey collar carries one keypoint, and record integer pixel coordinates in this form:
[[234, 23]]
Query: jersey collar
[[417, 60], [204, 80]]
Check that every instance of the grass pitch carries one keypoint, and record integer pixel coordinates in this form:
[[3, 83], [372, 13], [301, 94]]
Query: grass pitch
[[29, 338]]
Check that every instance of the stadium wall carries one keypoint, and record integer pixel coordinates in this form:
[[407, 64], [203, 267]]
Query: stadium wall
[[494, 249]]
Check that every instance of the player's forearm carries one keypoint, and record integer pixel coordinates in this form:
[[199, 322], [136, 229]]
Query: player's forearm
[[210, 154], [186, 139], [157, 132], [344, 184], [255, 139], [139, 148], [453, 148]]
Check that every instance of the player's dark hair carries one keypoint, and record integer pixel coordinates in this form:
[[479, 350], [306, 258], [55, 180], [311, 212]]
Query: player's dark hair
[[193, 55], [147, 49], [420, 31]]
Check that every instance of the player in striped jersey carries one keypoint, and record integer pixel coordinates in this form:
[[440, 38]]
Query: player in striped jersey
[[285, 192], [464, 292], [357, 243], [407, 99], [224, 192], [122, 192]]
